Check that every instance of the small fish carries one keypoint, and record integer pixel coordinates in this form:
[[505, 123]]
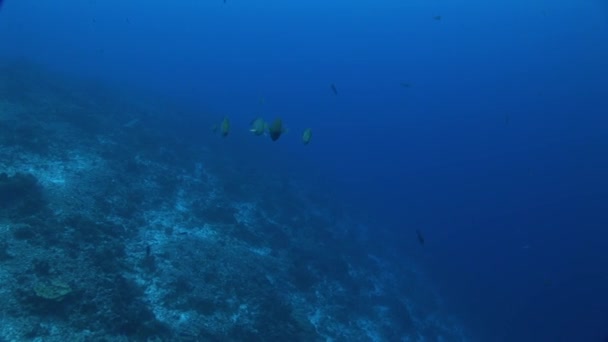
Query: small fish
[[437, 17], [225, 127], [405, 85], [420, 237], [131, 123], [258, 126], [334, 89], [306, 136], [276, 129]]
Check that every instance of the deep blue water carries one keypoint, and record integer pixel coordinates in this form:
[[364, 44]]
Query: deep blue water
[[485, 129]]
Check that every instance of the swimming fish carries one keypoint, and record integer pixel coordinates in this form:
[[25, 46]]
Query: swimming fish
[[225, 127], [420, 237], [437, 17], [258, 126], [276, 129], [306, 136], [334, 89]]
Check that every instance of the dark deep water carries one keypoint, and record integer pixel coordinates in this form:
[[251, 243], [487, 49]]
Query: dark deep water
[[480, 125]]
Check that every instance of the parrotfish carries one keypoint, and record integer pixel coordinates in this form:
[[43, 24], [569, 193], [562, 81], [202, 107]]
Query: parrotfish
[[306, 136], [225, 127], [258, 126], [334, 89], [420, 237], [276, 129]]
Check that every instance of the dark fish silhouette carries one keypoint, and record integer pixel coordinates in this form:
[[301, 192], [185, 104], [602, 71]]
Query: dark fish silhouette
[[276, 129], [420, 237], [334, 89], [437, 17]]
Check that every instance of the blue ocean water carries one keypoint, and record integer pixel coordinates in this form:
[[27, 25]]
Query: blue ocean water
[[480, 126]]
